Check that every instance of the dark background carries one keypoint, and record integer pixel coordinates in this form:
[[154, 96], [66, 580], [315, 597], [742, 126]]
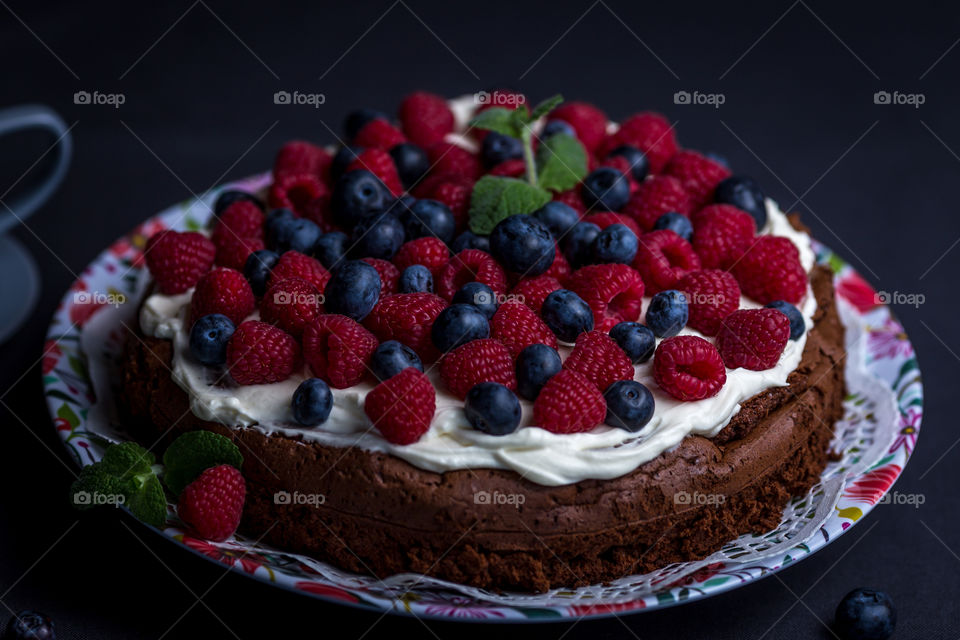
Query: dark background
[[876, 182]]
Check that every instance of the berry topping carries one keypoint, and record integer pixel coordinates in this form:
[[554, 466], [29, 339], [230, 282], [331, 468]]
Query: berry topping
[[522, 244], [213, 503], [356, 120], [378, 133], [430, 252], [416, 279], [698, 174], [753, 338], [291, 304], [557, 217], [288, 233], [471, 265], [425, 118], [484, 360], [493, 409], [458, 324], [223, 291], [771, 270], [177, 260], [668, 313], [637, 161], [629, 405], [497, 148], [797, 324], [260, 353], [597, 356], [233, 252], [298, 157], [616, 243], [743, 193], [411, 163], [379, 237], [636, 340], [533, 291], [569, 403], [613, 291], [407, 317], [331, 248], [402, 407], [676, 222], [479, 295], [392, 357], [721, 233], [604, 219], [358, 194], [567, 315], [711, 295], [208, 338], [228, 196], [517, 326], [389, 275], [535, 365], [663, 258], [470, 240], [242, 219], [605, 189], [655, 197], [450, 160], [353, 289], [571, 198], [425, 218], [553, 127], [312, 402], [578, 243], [379, 163], [294, 264], [688, 368], [649, 132], [588, 122], [295, 191], [29, 625], [453, 192], [865, 614]]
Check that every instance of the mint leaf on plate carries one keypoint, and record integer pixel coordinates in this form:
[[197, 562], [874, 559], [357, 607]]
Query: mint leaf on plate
[[562, 162], [147, 501], [194, 452], [495, 198], [498, 119]]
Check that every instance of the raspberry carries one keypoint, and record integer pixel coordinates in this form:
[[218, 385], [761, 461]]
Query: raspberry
[[337, 349], [533, 291], [512, 168], [429, 251], [471, 265], [712, 295], [588, 121], [447, 158], [296, 191], [213, 503], [242, 219], [408, 318], [654, 197], [663, 258], [223, 291], [177, 260], [753, 338], [649, 132], [293, 264], [260, 353], [378, 134], [698, 174], [455, 193], [721, 233], [517, 326], [569, 403], [379, 163], [318, 211], [291, 304], [389, 275], [771, 270], [560, 269], [484, 360], [425, 118], [597, 356], [621, 164], [688, 368], [613, 291], [233, 252], [606, 218], [298, 156], [402, 407]]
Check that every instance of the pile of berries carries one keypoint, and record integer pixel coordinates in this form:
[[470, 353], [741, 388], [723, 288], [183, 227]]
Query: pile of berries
[[359, 264]]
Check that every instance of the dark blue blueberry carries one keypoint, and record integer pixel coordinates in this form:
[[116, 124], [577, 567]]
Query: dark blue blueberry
[[616, 243], [355, 120], [536, 364], [379, 237], [479, 295], [208, 338], [629, 405], [353, 290], [743, 193], [278, 227], [497, 147], [797, 323], [428, 218], [392, 357], [554, 127], [342, 159], [458, 324], [522, 244], [330, 248], [676, 222], [492, 408], [470, 240], [358, 195], [229, 196], [296, 235], [639, 165], [865, 614], [257, 269], [29, 625], [636, 340], [578, 244], [312, 402], [605, 189], [566, 314], [416, 279], [411, 162], [557, 216], [668, 313]]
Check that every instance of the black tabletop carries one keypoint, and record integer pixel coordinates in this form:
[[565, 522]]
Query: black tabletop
[[797, 81]]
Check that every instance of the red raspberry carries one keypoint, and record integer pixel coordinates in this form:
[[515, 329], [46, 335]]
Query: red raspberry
[[425, 118], [721, 233], [389, 275], [455, 193], [649, 132], [560, 269], [233, 252], [223, 291], [484, 360], [512, 168], [177, 260], [654, 197], [407, 317], [613, 291], [291, 304], [597, 356], [569, 403], [712, 295], [298, 156], [471, 265], [296, 191], [622, 165], [517, 326], [429, 251], [260, 353], [604, 219], [379, 163], [533, 291], [753, 338], [447, 158], [378, 134], [663, 258], [337, 349], [242, 219], [318, 211], [572, 199], [402, 407], [293, 264], [771, 270], [213, 503], [588, 121], [688, 368], [698, 174]]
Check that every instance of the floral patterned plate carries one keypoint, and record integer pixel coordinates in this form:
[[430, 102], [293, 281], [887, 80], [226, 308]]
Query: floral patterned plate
[[875, 438]]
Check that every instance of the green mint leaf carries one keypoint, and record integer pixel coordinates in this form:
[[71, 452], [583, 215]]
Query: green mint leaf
[[495, 198], [562, 162], [127, 459], [498, 119], [194, 452], [546, 107], [96, 486], [146, 500]]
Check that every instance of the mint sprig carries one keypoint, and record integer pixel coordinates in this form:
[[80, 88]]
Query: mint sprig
[[194, 452], [495, 198], [562, 162]]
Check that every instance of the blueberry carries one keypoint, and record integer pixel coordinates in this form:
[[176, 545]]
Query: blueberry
[[479, 295], [357, 195], [229, 196], [30, 625], [296, 235], [536, 364], [636, 340], [554, 127], [676, 222], [330, 248], [629, 405], [865, 614], [667, 313], [498, 147], [566, 314], [392, 357], [492, 409], [458, 324], [797, 323], [557, 216], [278, 227], [257, 269], [208, 338], [428, 218], [639, 165], [605, 189], [617, 243], [312, 402], [743, 193], [411, 162], [353, 290], [378, 237], [522, 244], [342, 159], [416, 279], [578, 244], [356, 120], [470, 240]]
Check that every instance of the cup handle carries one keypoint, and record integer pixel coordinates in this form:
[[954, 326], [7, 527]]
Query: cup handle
[[35, 116]]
